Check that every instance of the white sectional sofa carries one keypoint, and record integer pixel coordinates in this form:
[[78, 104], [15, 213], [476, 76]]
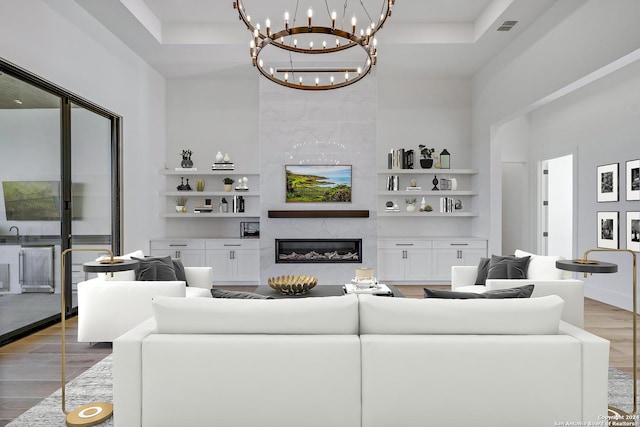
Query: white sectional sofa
[[542, 273], [358, 361], [107, 308]]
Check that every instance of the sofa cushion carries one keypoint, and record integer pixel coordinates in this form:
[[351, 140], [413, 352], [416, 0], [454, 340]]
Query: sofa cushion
[[308, 316], [433, 316], [508, 267], [517, 292], [483, 271], [221, 293], [156, 269], [542, 267]]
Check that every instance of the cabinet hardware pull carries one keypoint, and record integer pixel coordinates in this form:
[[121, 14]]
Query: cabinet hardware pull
[[404, 244], [178, 245], [230, 244], [459, 244]]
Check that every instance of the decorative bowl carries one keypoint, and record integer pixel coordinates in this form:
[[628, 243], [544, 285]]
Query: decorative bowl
[[292, 285]]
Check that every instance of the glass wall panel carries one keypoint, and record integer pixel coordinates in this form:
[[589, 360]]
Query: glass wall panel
[[30, 220]]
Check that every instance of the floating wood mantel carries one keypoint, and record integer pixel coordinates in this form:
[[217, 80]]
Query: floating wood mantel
[[320, 214]]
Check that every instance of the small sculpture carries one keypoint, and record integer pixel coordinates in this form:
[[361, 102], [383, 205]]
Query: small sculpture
[[435, 184]]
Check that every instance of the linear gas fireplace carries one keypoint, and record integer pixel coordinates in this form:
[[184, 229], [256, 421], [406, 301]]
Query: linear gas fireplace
[[318, 251]]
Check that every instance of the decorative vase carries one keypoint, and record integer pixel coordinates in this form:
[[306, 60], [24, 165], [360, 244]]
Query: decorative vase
[[200, 184], [227, 187], [186, 163], [426, 163], [181, 209], [219, 157], [226, 158], [411, 208]]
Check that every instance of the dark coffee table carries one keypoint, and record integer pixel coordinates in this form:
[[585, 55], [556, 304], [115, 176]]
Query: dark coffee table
[[318, 291]]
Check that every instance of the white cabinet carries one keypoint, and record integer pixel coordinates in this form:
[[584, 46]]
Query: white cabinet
[[191, 252], [404, 260], [233, 260], [455, 252]]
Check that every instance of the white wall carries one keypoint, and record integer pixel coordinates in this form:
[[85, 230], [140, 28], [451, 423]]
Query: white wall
[[59, 41], [598, 123]]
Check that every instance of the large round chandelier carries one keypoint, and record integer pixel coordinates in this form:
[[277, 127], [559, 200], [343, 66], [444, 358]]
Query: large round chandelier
[[316, 47]]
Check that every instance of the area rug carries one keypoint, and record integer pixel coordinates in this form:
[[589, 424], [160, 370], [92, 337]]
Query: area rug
[[95, 385]]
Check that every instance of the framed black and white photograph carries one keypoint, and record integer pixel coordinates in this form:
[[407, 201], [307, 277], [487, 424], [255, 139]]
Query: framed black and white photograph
[[608, 183], [633, 180], [608, 227], [633, 231]]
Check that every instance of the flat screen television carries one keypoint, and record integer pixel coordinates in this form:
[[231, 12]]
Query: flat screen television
[[318, 183]]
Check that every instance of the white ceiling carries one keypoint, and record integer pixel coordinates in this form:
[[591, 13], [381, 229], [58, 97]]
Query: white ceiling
[[182, 38]]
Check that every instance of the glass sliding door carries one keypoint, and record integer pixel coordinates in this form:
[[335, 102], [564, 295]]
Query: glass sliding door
[[59, 189], [91, 187], [30, 217]]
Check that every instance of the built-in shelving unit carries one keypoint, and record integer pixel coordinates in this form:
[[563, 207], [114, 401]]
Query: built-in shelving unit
[[214, 190], [424, 178]]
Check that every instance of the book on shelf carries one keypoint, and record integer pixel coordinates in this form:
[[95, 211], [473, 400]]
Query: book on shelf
[[447, 204], [399, 158], [223, 166], [186, 169], [376, 289], [414, 188], [393, 183]]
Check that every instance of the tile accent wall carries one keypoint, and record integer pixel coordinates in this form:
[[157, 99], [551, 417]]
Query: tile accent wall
[[327, 127]]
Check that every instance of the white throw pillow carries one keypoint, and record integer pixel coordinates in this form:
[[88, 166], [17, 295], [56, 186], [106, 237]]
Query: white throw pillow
[[542, 267], [430, 316]]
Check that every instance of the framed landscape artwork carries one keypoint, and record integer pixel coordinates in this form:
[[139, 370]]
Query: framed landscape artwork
[[318, 183], [608, 183], [633, 180], [633, 231], [608, 230]]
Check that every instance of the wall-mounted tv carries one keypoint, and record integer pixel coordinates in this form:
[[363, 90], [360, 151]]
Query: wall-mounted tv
[[32, 200], [318, 183]]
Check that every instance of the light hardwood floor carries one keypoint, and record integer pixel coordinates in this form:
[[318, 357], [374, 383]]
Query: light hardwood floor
[[30, 367]]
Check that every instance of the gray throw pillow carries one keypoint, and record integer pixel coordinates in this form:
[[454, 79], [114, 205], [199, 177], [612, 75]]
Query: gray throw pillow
[[220, 293], [155, 269], [483, 271], [519, 292], [178, 268], [508, 267]]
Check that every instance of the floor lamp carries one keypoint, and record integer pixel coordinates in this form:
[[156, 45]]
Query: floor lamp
[[91, 413], [585, 266]]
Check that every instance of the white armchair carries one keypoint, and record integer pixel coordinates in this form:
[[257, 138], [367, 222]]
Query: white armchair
[[547, 280], [109, 308]]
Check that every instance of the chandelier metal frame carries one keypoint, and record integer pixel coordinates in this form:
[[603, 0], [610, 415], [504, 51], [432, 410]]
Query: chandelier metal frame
[[282, 39]]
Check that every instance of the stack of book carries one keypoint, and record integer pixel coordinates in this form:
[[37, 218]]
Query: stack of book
[[400, 159], [223, 166], [393, 183], [447, 204]]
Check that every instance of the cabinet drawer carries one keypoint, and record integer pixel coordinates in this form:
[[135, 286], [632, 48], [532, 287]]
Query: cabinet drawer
[[404, 244], [177, 244], [232, 244], [459, 244]]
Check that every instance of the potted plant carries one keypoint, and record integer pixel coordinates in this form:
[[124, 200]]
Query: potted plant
[[411, 204], [426, 161], [227, 183], [186, 159], [181, 204]]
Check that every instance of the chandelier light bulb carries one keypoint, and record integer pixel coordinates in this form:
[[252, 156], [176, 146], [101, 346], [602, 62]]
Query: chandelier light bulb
[[331, 79], [286, 20], [334, 15], [248, 18], [317, 81], [324, 44], [271, 71], [309, 16], [359, 69], [286, 77], [267, 25], [295, 42], [346, 76], [260, 63], [252, 48], [353, 24], [300, 80], [337, 42], [310, 45]]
